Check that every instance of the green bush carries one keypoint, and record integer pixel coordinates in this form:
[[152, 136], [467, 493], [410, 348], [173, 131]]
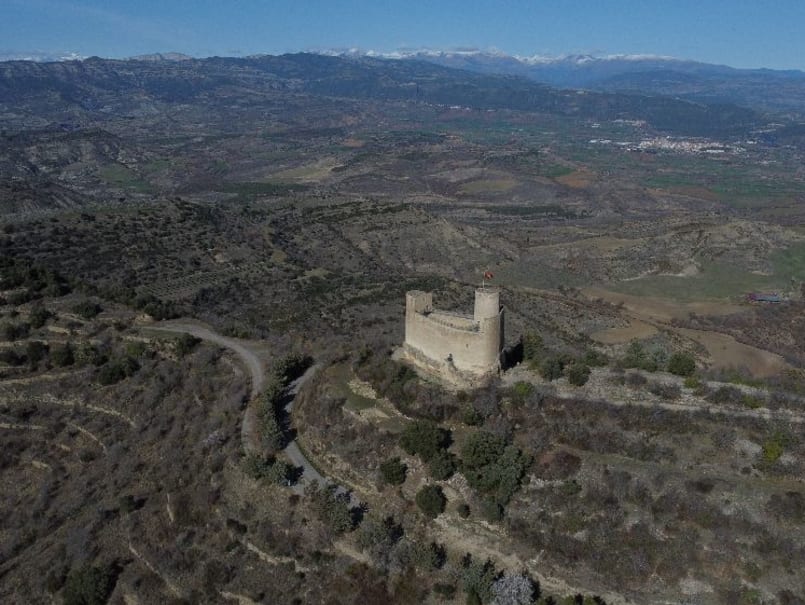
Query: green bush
[[691, 382], [185, 344], [62, 356], [773, 449], [477, 578], [393, 471], [682, 364], [115, 371], [136, 348], [491, 511], [431, 501], [578, 374], [332, 508], [442, 466], [428, 555], [753, 401], [491, 467], [290, 367], [15, 331], [472, 417], [424, 439], [594, 358], [272, 470], [551, 368], [87, 309], [445, 591], [39, 316], [665, 390], [532, 346], [637, 357], [482, 448], [520, 392], [35, 352], [89, 586], [11, 357], [87, 354]]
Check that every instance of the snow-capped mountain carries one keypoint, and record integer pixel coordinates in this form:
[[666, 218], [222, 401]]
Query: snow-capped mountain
[[40, 56], [639, 73]]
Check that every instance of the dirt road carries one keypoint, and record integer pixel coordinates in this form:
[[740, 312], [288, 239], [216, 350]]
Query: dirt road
[[249, 435]]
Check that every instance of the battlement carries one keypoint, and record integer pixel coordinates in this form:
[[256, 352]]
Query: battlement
[[464, 350]]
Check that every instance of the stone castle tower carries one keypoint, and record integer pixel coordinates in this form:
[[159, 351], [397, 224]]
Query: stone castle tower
[[462, 350]]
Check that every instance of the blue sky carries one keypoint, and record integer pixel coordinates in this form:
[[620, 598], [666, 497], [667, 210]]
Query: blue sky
[[741, 33]]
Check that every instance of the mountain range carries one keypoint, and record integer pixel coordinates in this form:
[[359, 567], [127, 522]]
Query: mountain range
[[763, 89], [95, 83]]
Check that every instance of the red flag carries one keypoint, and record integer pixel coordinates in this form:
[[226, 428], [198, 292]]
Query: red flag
[[488, 275]]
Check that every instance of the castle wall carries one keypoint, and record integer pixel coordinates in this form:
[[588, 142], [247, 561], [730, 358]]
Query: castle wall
[[468, 345]]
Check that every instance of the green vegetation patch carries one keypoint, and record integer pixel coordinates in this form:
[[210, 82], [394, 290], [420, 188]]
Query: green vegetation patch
[[488, 186], [121, 176], [721, 280], [541, 210], [253, 189], [533, 273]]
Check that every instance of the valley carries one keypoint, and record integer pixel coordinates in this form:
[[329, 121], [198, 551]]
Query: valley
[[183, 240]]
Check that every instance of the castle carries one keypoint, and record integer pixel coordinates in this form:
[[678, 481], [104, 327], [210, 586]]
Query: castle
[[462, 350]]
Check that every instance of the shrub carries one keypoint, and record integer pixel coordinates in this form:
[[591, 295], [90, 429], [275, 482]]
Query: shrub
[[88, 353], [773, 448], [424, 439], [428, 556], [89, 586], [635, 379], [665, 390], [472, 417], [290, 367], [393, 471], [332, 507], [532, 346], [445, 591], [691, 382], [20, 297], [35, 352], [115, 371], [442, 466], [87, 309], [481, 448], [62, 356], [551, 368], [273, 471], [520, 391], [431, 501], [185, 344], [135, 348], [682, 364], [753, 401], [491, 467], [637, 357], [578, 374], [11, 357], [463, 510], [39, 316], [477, 578], [491, 511], [729, 395], [15, 331], [594, 358]]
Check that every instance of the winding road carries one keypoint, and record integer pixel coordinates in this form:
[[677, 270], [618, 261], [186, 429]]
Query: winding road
[[249, 435]]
